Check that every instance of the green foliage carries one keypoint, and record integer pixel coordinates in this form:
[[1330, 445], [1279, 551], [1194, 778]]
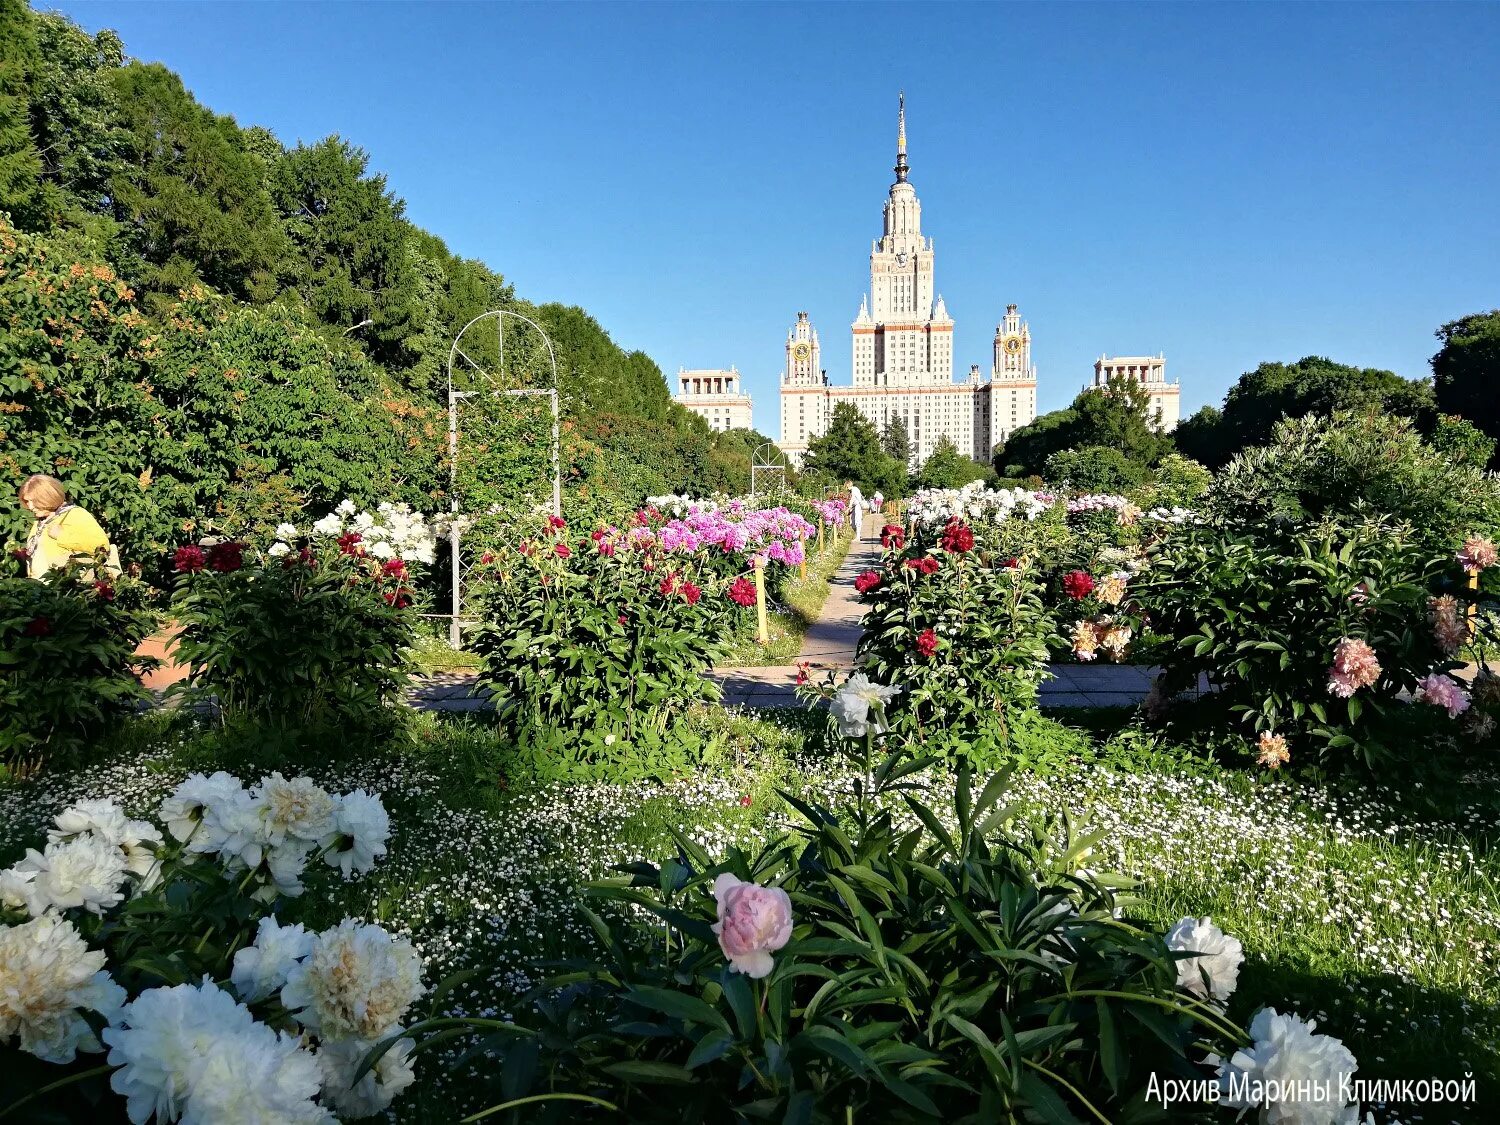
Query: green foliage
[[1261, 617], [1466, 371], [946, 467], [1176, 482], [987, 624], [1026, 451], [1355, 465], [316, 641], [932, 974], [850, 449], [1114, 416], [1273, 391], [67, 664], [1461, 441], [1094, 468]]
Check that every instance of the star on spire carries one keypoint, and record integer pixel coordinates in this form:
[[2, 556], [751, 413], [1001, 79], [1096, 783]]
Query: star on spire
[[901, 138]]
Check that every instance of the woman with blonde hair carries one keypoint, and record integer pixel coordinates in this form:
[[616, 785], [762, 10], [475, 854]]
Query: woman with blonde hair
[[61, 531]]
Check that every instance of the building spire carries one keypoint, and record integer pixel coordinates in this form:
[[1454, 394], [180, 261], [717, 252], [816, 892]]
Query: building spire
[[901, 139]]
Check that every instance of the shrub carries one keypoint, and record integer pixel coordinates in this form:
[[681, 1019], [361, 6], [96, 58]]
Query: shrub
[[1094, 468], [67, 663], [961, 638], [1266, 619], [313, 638]]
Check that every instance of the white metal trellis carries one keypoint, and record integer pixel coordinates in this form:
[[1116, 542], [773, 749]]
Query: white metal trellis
[[495, 380], [766, 460]]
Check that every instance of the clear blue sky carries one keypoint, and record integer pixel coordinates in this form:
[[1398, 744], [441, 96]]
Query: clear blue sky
[[1224, 183]]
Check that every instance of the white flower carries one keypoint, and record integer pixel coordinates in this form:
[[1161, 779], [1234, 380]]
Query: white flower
[[261, 969], [360, 830], [358, 982], [47, 974], [298, 808], [346, 507], [329, 526], [382, 550], [851, 706], [278, 549], [287, 531], [191, 1051], [85, 871], [1215, 968], [202, 811], [107, 821], [15, 890], [282, 868], [1285, 1054], [340, 1058]]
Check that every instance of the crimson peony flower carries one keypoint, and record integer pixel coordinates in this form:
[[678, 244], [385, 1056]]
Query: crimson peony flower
[[928, 564], [188, 560], [561, 550], [957, 538], [556, 523], [668, 585], [226, 557], [927, 642], [742, 591], [1078, 584], [745, 801], [38, 626], [395, 568], [622, 619], [1011, 564], [486, 558], [691, 593], [867, 581], [802, 667], [893, 535], [105, 591], [349, 543]]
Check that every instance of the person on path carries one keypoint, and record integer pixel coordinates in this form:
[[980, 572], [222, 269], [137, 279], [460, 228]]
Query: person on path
[[877, 502], [856, 509], [61, 530]]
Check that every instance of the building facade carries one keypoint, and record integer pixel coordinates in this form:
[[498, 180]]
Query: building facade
[[902, 360], [715, 396], [1151, 372]]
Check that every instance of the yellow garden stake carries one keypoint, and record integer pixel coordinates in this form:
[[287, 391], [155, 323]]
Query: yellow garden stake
[[762, 635], [820, 534], [803, 575], [1471, 612]]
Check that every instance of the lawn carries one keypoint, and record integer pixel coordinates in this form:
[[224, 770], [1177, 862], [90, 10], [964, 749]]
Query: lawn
[[1376, 913]]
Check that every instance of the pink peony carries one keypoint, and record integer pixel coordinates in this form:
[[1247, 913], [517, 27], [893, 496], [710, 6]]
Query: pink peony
[[1443, 691], [1354, 667], [753, 923], [1477, 554]]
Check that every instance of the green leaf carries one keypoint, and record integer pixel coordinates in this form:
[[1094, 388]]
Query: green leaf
[[650, 1073], [680, 1005]]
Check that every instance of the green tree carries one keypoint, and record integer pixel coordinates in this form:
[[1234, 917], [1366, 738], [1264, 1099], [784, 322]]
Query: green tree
[[1466, 370], [1179, 481], [895, 440], [946, 467], [1026, 451], [20, 163], [1202, 437], [850, 450], [1094, 468], [190, 194], [350, 264], [1118, 416]]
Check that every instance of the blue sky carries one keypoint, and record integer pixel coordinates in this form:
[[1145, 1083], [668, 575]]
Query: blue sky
[[1223, 183]]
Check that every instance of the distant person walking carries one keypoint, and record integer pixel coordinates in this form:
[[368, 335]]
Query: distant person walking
[[877, 502], [61, 531], [856, 509]]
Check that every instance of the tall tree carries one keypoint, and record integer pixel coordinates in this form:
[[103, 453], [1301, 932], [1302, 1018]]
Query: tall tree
[[1118, 416], [1466, 370], [850, 450], [1025, 452], [20, 164], [946, 467], [895, 441], [191, 195]]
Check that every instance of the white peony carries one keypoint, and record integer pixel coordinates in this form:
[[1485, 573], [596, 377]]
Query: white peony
[[256, 1076], [1285, 1054], [340, 1058], [851, 706], [360, 830], [358, 982], [277, 550], [84, 871], [1215, 969], [261, 968], [286, 531], [48, 974], [202, 811], [329, 526], [136, 839], [297, 808], [15, 890], [345, 507]]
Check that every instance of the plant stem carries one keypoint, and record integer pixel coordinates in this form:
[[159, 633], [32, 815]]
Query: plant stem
[[59, 1084]]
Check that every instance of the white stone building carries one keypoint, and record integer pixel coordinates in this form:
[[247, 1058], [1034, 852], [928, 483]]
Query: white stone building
[[903, 352], [714, 395], [1151, 372]]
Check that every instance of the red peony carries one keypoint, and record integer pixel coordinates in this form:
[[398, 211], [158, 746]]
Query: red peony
[[622, 619], [226, 557], [867, 581], [691, 593], [928, 564], [1078, 584], [38, 626], [745, 801], [927, 642], [486, 558], [957, 538], [742, 591], [561, 550], [395, 568], [893, 535], [105, 591], [802, 667], [349, 543], [188, 560], [668, 585], [1011, 564], [606, 547], [556, 523]]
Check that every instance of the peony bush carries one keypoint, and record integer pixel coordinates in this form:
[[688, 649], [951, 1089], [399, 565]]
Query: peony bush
[[68, 669], [158, 945]]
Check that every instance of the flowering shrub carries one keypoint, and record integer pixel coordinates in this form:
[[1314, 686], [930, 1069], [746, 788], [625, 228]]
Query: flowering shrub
[[1308, 643], [67, 663], [963, 640], [312, 636], [113, 936]]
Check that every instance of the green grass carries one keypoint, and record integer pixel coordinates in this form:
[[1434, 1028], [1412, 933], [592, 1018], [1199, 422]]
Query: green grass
[[787, 623]]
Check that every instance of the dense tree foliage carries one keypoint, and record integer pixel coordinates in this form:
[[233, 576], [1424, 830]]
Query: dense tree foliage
[[1094, 468], [1466, 370], [850, 450], [211, 327], [946, 467], [1115, 416], [895, 441]]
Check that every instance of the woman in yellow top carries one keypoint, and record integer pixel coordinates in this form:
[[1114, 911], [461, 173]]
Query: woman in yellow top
[[61, 531]]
